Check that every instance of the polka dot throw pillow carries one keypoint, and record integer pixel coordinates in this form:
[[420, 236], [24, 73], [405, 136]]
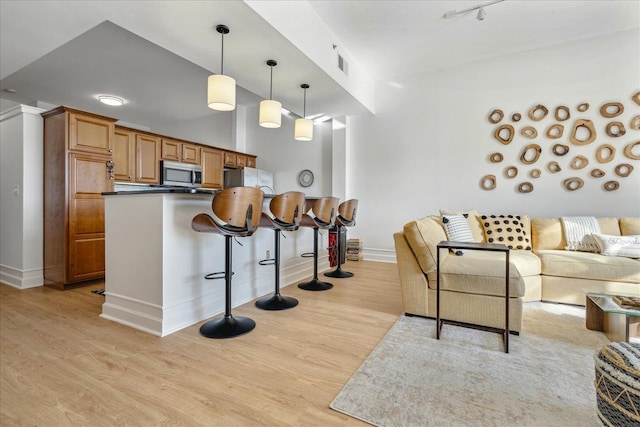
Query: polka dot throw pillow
[[507, 230]]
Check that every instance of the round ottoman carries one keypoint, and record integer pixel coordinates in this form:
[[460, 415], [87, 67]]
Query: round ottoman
[[617, 384]]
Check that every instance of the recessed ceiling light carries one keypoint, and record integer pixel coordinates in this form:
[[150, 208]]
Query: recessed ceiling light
[[110, 100]]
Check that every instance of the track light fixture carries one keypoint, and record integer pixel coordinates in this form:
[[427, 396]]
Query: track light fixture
[[303, 129], [270, 111], [221, 89], [480, 8]]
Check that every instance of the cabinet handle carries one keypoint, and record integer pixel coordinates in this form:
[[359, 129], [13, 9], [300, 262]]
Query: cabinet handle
[[110, 168]]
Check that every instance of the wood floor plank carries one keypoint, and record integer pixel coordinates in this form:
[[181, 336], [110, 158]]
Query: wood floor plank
[[63, 365]]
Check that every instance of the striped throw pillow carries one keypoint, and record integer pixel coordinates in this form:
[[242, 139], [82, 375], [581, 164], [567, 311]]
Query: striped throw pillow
[[457, 229]]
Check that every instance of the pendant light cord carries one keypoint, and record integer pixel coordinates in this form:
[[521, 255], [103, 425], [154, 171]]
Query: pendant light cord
[[304, 105], [222, 57], [271, 84]]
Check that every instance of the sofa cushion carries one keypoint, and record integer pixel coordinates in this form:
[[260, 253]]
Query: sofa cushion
[[586, 265], [506, 229], [626, 246], [547, 233], [472, 219], [482, 272], [629, 226], [423, 236]]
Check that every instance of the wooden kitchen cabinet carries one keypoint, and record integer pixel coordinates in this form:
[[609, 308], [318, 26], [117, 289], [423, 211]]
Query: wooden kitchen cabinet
[[147, 159], [212, 168], [77, 165], [124, 155], [230, 159], [241, 160], [171, 150], [190, 153], [251, 161]]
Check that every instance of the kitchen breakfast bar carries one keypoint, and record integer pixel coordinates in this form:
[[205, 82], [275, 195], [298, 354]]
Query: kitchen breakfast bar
[[156, 263]]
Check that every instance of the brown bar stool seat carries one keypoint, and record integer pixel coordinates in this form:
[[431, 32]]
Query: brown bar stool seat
[[237, 213], [346, 218], [286, 210], [323, 213]]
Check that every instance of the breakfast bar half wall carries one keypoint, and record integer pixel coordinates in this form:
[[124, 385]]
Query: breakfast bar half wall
[[155, 262]]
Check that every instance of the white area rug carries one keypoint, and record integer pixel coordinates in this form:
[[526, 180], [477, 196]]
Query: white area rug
[[466, 379]]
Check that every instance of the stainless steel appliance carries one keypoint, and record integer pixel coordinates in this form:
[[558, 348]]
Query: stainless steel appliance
[[180, 174], [249, 177]]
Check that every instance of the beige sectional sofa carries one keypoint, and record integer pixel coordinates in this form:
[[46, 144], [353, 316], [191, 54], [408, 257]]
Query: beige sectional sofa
[[472, 285]]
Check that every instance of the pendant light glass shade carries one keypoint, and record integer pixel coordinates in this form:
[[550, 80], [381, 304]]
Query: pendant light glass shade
[[221, 93], [303, 129], [270, 111], [221, 89]]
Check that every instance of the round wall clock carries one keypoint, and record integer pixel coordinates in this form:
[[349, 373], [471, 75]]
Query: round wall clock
[[305, 178]]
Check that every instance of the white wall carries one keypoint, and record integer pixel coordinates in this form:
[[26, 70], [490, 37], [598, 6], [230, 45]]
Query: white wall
[[279, 152], [21, 197], [427, 147]]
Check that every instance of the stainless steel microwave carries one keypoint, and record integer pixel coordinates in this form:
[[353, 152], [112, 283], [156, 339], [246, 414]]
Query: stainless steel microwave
[[180, 174]]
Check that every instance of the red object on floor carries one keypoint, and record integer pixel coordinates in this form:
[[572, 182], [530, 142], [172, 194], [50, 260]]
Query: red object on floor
[[333, 247]]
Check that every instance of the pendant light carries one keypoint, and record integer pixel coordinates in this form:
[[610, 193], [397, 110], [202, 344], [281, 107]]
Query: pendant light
[[221, 90], [270, 110], [303, 130]]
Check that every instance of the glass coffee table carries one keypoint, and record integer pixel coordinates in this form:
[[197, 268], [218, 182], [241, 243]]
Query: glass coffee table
[[605, 315]]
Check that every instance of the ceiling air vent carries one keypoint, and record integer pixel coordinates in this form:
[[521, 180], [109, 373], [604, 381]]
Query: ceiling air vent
[[343, 65]]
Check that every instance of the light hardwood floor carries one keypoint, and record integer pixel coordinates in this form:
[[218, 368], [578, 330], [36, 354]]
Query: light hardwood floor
[[62, 365]]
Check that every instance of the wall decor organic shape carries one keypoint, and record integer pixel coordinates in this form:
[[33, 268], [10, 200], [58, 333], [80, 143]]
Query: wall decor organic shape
[[587, 124], [605, 110], [605, 153], [538, 113], [562, 113], [497, 134], [604, 125], [573, 184], [526, 152]]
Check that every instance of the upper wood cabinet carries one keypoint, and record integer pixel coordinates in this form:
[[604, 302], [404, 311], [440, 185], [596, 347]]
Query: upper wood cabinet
[[251, 161], [171, 150], [190, 153], [124, 155], [241, 160], [230, 158], [90, 133], [147, 159], [212, 168]]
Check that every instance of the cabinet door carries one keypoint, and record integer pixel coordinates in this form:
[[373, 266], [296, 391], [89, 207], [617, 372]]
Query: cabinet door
[[171, 150], [251, 162], [124, 155], [241, 160], [147, 159], [190, 153], [90, 134], [88, 178], [230, 159], [212, 168]]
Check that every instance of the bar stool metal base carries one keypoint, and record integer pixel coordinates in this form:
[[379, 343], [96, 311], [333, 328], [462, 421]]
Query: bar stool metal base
[[315, 285], [227, 327], [339, 273], [276, 302]]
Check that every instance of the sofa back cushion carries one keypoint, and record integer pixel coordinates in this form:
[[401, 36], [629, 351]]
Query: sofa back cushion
[[547, 233], [629, 226], [423, 236]]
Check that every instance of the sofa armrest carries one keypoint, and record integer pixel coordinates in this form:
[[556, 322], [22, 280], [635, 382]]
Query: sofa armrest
[[413, 282]]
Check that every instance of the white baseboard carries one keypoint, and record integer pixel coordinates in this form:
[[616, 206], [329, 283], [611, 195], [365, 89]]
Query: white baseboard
[[162, 321], [21, 279], [379, 255]]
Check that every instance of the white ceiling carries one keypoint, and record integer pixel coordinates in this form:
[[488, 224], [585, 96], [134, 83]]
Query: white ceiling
[[157, 54]]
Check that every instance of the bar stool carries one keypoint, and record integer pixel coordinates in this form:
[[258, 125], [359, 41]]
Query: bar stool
[[286, 210], [324, 213], [346, 218], [236, 213]]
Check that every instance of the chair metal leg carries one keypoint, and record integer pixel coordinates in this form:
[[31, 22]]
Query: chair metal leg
[[315, 284], [277, 301], [228, 326], [339, 273]]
